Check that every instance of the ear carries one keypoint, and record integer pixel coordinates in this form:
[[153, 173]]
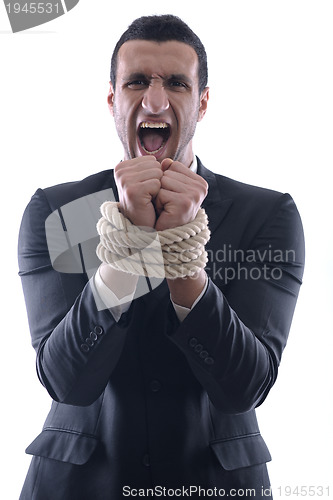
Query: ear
[[111, 98], [204, 97]]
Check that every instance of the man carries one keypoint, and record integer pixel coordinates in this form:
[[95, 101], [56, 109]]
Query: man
[[155, 390]]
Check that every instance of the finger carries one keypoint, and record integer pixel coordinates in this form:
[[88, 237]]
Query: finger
[[175, 184], [140, 159], [177, 166], [166, 163], [165, 196], [137, 163], [143, 175], [190, 181], [175, 181], [143, 191], [129, 177], [152, 186]]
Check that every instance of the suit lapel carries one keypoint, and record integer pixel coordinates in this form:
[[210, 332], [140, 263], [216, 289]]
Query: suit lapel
[[216, 207]]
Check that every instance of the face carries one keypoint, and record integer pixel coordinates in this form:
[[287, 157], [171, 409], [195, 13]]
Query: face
[[156, 103]]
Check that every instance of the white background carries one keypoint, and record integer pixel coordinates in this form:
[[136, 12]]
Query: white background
[[269, 123]]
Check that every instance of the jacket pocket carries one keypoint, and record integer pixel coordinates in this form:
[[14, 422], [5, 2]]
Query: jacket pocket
[[243, 451], [62, 445]]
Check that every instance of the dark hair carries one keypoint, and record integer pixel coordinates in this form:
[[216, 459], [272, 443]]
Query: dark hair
[[163, 29]]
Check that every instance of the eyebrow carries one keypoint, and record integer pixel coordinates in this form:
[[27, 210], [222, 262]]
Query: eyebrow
[[180, 76], [135, 76], [142, 76]]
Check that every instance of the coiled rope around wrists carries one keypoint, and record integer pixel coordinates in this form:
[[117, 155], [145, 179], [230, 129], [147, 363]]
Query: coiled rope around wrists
[[171, 253]]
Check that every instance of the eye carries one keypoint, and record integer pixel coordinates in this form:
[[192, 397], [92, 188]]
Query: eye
[[136, 84], [177, 85]]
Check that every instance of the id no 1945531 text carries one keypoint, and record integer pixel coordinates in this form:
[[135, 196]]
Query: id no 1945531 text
[[33, 8]]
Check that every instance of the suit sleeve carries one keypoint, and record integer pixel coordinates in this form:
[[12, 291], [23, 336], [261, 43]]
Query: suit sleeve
[[77, 344], [234, 337]]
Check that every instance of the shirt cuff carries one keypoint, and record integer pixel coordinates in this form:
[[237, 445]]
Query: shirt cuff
[[109, 298], [181, 311]]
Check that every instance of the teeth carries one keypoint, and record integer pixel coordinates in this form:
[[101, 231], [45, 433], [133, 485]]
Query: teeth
[[152, 152], [153, 125]]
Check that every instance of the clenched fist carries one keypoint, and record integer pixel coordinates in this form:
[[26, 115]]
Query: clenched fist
[[180, 197], [138, 182], [160, 195]]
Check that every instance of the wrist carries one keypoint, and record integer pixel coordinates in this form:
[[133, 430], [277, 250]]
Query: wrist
[[121, 283], [173, 253], [185, 291]]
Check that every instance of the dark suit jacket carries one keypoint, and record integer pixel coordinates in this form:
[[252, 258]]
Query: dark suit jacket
[[149, 401]]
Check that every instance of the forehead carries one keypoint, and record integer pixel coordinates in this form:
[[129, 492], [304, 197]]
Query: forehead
[[162, 58]]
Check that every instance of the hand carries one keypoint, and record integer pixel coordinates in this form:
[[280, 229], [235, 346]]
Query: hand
[[180, 197], [138, 182]]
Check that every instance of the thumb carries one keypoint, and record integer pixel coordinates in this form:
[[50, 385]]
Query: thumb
[[166, 164]]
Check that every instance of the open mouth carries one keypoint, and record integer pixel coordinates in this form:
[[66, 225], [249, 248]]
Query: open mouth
[[153, 136]]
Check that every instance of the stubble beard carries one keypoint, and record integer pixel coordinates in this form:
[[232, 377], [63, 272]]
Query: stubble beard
[[180, 151]]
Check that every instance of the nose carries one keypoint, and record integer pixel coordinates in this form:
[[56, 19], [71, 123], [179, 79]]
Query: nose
[[155, 99]]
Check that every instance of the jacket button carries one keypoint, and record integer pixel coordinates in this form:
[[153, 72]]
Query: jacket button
[[98, 330], [198, 348], [89, 342], [203, 354], [193, 342], [155, 386], [93, 336], [84, 348], [209, 361], [146, 460]]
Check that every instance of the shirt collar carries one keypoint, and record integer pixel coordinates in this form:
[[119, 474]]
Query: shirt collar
[[194, 165]]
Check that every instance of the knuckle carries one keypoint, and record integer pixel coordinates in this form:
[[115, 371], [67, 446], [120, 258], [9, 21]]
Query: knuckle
[[117, 173], [158, 173], [119, 166], [177, 165], [156, 184], [163, 181], [185, 203], [205, 187], [201, 189], [172, 168], [198, 194], [131, 191]]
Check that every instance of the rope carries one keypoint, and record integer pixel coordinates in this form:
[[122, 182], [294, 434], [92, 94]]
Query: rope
[[172, 253]]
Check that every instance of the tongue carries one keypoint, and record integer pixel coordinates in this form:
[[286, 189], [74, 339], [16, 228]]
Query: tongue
[[152, 140]]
